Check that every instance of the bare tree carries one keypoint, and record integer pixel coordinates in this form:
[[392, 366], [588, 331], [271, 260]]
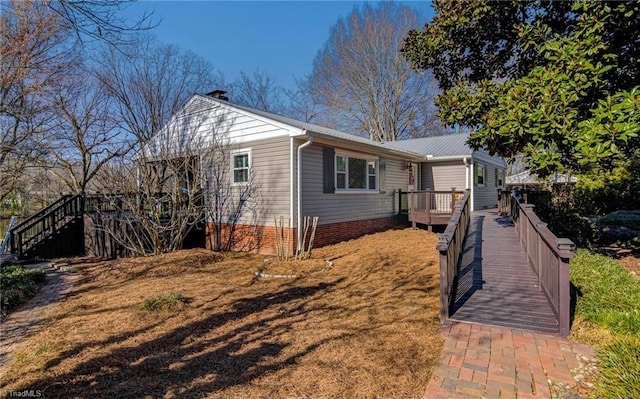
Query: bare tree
[[300, 102], [181, 177], [150, 82], [99, 19], [258, 90], [86, 136], [36, 54], [151, 205], [38, 49], [363, 82]]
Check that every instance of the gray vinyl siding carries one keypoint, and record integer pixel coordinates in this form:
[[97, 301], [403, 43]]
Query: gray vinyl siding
[[270, 174], [342, 206], [396, 175], [443, 175], [271, 169], [487, 196]]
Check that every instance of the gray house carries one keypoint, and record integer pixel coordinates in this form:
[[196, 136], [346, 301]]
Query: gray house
[[451, 163], [301, 169]]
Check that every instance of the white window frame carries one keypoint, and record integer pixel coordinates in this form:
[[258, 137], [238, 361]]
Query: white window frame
[[477, 168], [234, 154], [364, 157]]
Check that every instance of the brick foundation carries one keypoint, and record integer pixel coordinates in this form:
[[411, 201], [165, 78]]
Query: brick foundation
[[261, 239], [336, 232], [248, 238]]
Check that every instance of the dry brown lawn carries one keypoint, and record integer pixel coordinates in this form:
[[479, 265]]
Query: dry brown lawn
[[366, 328]]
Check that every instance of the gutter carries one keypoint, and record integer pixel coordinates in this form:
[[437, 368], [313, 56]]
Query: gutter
[[447, 158], [365, 147], [299, 232]]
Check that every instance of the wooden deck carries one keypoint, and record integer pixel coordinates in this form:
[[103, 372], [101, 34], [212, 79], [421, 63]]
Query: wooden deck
[[495, 284]]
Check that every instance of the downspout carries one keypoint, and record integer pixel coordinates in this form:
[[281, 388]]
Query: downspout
[[471, 177], [466, 175], [300, 147], [292, 165]]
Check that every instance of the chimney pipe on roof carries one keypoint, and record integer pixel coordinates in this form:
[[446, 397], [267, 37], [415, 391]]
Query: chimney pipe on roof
[[219, 94]]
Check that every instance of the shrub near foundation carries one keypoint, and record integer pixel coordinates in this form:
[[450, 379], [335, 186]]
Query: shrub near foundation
[[609, 303]]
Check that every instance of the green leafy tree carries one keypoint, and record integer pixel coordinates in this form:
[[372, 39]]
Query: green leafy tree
[[556, 81]]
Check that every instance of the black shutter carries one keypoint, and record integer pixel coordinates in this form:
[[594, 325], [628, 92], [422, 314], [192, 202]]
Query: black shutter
[[328, 170]]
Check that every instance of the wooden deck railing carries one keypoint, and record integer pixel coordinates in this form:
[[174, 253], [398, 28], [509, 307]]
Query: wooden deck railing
[[432, 207], [548, 255], [450, 245], [45, 223]]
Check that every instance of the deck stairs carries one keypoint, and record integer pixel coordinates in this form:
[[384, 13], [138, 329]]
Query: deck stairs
[[55, 231]]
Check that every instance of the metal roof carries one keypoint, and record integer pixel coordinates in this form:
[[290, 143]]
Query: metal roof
[[449, 145], [425, 148]]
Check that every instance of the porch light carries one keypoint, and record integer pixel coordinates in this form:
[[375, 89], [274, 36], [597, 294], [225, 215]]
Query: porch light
[[409, 166]]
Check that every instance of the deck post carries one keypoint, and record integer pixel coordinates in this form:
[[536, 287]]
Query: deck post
[[539, 257], [565, 250], [428, 205], [453, 199], [443, 244]]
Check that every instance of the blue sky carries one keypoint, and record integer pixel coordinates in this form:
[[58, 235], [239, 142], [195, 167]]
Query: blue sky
[[277, 37]]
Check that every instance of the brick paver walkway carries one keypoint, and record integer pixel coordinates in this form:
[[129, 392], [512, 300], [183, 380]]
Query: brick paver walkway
[[482, 361], [23, 323]]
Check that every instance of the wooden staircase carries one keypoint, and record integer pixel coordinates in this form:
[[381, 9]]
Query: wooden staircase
[[55, 231]]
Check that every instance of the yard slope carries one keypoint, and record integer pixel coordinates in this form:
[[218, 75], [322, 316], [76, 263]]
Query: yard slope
[[367, 328]]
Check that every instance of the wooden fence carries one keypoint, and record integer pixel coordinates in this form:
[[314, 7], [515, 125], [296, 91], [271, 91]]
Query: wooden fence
[[450, 245], [548, 255]]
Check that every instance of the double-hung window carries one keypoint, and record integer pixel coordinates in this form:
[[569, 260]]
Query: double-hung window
[[480, 175], [356, 172], [241, 167], [499, 177]]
